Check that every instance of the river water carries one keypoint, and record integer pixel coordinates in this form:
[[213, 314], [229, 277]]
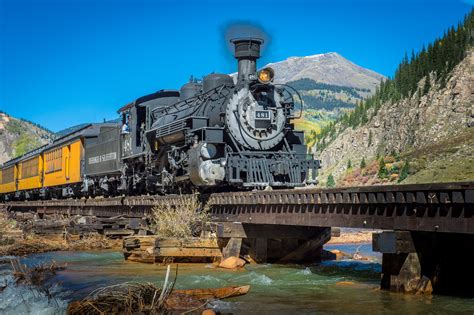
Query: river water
[[342, 287]]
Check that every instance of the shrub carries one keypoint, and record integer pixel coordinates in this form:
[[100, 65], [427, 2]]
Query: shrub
[[182, 218], [330, 182], [24, 144], [382, 173], [404, 172]]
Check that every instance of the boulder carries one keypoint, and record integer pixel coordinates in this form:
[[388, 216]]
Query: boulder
[[232, 263]]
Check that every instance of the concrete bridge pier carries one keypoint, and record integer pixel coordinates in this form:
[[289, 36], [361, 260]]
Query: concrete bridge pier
[[426, 262]]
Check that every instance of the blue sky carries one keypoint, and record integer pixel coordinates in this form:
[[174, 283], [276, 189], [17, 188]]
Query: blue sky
[[72, 61]]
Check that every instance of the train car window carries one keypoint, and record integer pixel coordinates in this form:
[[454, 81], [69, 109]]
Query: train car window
[[140, 126], [29, 168], [54, 160], [8, 175]]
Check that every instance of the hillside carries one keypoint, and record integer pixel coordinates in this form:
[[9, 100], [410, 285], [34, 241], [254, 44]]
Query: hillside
[[327, 96], [18, 136], [419, 127]]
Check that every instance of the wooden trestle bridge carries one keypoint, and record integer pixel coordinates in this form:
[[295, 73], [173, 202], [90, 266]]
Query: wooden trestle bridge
[[428, 228]]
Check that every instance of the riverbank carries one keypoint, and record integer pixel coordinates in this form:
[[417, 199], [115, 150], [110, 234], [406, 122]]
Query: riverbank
[[25, 244], [34, 244], [353, 236]]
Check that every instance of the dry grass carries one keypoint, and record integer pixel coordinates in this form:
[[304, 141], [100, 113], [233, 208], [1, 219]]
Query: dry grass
[[6, 224], [125, 298], [36, 275], [181, 218], [37, 244]]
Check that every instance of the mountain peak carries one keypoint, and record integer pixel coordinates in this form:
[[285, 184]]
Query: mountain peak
[[330, 68]]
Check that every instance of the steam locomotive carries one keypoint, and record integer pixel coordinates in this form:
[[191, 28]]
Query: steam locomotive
[[220, 133]]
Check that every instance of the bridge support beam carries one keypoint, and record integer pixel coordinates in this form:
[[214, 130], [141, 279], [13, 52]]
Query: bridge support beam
[[272, 243], [426, 262]]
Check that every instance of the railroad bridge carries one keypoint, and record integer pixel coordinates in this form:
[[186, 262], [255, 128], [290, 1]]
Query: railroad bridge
[[427, 238]]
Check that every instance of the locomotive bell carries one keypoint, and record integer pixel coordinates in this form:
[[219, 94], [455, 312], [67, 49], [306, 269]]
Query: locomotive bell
[[247, 51]]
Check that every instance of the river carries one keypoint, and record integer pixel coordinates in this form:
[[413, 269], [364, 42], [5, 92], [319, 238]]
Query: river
[[343, 287]]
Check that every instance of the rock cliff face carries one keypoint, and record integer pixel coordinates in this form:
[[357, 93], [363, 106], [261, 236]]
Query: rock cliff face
[[412, 125], [19, 136]]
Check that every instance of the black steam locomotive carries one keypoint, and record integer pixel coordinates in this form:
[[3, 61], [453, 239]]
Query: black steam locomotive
[[215, 133], [221, 133]]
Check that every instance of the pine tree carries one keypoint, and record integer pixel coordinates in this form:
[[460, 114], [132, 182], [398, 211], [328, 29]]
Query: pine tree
[[362, 163], [427, 85], [404, 172], [330, 182], [349, 164], [370, 138], [383, 172]]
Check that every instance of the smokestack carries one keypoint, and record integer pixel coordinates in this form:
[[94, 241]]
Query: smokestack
[[247, 51]]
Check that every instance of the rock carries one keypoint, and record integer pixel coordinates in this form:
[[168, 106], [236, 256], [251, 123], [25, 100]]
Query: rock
[[424, 286], [339, 254], [232, 263], [328, 255], [249, 259], [345, 283]]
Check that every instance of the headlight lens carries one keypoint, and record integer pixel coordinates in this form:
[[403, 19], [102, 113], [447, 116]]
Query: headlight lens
[[266, 75]]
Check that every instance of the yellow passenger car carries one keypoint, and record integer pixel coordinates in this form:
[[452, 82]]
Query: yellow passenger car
[[62, 164], [56, 170], [30, 173], [9, 176]]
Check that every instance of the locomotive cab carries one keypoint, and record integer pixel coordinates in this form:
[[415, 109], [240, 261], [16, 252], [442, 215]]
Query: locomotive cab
[[137, 118]]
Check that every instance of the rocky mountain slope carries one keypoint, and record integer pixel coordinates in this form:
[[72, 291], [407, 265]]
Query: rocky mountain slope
[[329, 84], [431, 131], [330, 68], [19, 136]]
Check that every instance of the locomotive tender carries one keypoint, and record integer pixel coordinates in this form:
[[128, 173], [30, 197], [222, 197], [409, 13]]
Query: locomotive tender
[[220, 133]]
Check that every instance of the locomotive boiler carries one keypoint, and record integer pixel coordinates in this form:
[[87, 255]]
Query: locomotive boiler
[[224, 132]]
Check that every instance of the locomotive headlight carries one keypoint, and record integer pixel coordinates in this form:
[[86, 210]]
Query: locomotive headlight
[[266, 75]]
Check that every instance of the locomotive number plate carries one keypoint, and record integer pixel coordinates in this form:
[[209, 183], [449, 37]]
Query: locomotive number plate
[[262, 114]]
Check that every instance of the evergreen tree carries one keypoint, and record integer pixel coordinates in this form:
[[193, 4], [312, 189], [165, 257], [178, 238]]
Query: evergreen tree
[[383, 172], [349, 164], [427, 86], [370, 138], [404, 172], [362, 163], [330, 182]]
